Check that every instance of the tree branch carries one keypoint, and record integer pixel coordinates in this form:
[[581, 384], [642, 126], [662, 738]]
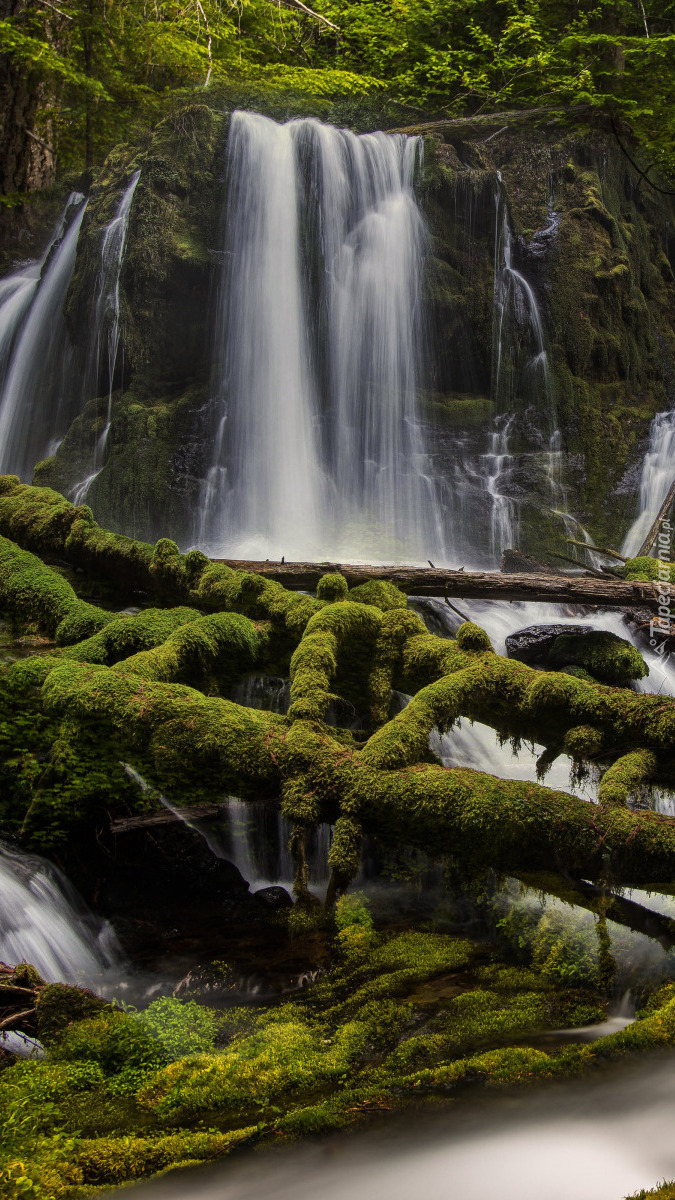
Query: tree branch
[[310, 13]]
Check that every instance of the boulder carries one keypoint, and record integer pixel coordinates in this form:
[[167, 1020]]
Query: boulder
[[274, 897], [532, 645]]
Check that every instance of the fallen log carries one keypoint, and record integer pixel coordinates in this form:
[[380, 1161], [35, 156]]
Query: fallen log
[[192, 812], [470, 585], [468, 128]]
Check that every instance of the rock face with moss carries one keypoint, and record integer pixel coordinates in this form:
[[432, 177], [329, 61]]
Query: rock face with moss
[[593, 245], [557, 205], [156, 440]]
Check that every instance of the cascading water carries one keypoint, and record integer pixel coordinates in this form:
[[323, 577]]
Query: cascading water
[[104, 337], [35, 410], [17, 291], [43, 922], [254, 837], [503, 516], [318, 450], [658, 470], [521, 384]]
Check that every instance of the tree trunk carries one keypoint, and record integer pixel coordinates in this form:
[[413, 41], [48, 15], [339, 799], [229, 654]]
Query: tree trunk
[[27, 157], [474, 585]]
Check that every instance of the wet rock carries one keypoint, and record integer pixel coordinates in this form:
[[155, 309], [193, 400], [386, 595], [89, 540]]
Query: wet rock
[[438, 617], [274, 897], [533, 644], [214, 980], [516, 563]]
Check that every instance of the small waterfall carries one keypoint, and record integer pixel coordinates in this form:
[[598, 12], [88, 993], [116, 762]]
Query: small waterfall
[[44, 922], [317, 447], [519, 344], [472, 744], [522, 386], [202, 826], [503, 515], [658, 471], [34, 409], [104, 338], [255, 837]]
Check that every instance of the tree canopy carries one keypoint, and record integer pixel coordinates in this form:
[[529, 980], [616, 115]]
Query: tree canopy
[[100, 65]]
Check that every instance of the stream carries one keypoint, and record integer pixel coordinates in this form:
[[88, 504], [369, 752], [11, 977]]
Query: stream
[[601, 1139]]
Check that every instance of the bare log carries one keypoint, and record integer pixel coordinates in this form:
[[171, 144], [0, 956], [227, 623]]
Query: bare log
[[470, 585], [584, 567], [661, 515], [597, 549], [17, 1017], [192, 812], [467, 126]]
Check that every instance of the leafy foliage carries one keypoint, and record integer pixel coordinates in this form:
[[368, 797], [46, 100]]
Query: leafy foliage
[[110, 64]]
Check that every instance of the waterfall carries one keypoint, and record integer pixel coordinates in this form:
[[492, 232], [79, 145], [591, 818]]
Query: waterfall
[[18, 290], [503, 516], [521, 384], [32, 328], [517, 320], [254, 837], [658, 470], [317, 446], [104, 338], [44, 922]]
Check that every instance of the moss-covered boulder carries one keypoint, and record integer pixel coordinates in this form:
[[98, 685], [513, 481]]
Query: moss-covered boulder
[[605, 656]]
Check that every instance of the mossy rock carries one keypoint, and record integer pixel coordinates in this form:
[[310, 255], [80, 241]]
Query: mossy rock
[[458, 411], [649, 569], [59, 1006], [605, 656]]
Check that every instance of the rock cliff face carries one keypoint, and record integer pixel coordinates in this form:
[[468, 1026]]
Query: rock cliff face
[[550, 296], [597, 251]]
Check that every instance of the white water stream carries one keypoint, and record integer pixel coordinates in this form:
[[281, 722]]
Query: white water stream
[[602, 1138]]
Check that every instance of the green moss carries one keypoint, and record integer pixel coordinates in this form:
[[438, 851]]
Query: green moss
[[30, 591], [581, 742], [59, 1006], [331, 588], [626, 775], [403, 1017], [380, 594], [336, 651], [666, 1191], [115, 1160], [608, 658], [459, 412], [472, 637], [649, 569]]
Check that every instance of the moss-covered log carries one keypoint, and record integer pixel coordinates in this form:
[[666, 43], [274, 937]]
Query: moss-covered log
[[142, 681], [474, 817], [40, 519]]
